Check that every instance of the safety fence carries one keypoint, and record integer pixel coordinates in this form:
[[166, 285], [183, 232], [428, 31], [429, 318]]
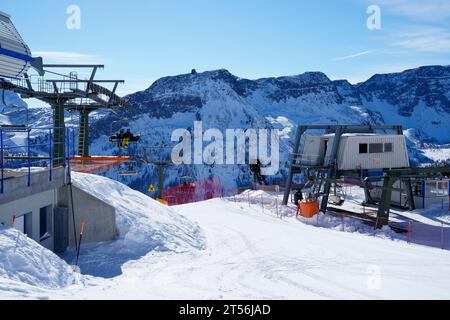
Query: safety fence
[[433, 234], [268, 203], [194, 191], [26, 149]]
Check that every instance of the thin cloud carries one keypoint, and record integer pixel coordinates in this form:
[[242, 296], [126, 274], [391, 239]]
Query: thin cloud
[[429, 10], [424, 39], [353, 55], [67, 57]]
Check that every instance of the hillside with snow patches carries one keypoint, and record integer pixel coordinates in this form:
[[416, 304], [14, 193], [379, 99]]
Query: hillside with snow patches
[[417, 99]]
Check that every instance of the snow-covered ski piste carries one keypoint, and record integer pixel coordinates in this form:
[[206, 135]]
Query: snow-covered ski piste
[[238, 247]]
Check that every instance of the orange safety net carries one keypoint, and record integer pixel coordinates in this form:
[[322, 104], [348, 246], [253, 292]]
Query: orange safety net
[[95, 164], [195, 191]]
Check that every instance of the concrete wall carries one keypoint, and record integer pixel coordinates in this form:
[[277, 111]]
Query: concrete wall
[[31, 204], [19, 199], [99, 216], [16, 188]]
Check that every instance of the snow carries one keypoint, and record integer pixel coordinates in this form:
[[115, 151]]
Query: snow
[[23, 261], [144, 225], [242, 247], [437, 154]]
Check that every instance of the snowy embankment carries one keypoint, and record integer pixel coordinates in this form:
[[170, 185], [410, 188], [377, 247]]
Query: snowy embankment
[[144, 225], [25, 262]]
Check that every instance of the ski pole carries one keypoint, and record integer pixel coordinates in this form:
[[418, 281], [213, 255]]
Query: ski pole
[[262, 203], [409, 231], [79, 242], [276, 205]]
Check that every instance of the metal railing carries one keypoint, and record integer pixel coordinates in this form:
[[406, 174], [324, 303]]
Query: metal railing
[[24, 148]]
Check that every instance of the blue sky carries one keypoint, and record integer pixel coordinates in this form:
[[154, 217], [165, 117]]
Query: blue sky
[[143, 40]]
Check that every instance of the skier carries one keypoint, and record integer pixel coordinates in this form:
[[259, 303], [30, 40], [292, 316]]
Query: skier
[[127, 138], [298, 196], [255, 167], [118, 137]]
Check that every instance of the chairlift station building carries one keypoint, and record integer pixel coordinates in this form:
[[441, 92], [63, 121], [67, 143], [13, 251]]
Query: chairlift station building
[[357, 151]]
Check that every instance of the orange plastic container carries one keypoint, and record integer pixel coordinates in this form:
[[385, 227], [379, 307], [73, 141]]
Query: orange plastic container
[[308, 209]]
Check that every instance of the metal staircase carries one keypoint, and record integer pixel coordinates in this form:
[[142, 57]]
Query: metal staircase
[[83, 134]]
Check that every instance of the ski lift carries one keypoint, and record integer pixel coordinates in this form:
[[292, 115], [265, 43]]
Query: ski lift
[[129, 168], [123, 138]]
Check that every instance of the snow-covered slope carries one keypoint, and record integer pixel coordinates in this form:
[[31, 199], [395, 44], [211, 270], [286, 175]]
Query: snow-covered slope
[[251, 253], [144, 224], [418, 99], [145, 227]]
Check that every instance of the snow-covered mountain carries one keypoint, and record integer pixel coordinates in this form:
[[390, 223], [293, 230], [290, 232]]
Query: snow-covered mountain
[[418, 99]]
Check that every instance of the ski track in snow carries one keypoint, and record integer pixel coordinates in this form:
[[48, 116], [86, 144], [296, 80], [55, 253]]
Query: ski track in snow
[[254, 255], [232, 249]]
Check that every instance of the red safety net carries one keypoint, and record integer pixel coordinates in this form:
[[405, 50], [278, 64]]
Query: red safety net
[[194, 191], [95, 164]]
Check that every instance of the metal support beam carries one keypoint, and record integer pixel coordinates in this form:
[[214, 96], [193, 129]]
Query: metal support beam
[[332, 163], [389, 179], [82, 81], [300, 131], [161, 167], [385, 203], [58, 134], [368, 197], [410, 196], [75, 66]]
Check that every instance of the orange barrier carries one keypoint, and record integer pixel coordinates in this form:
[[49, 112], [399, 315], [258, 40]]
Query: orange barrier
[[95, 164], [199, 190], [99, 158], [308, 209]]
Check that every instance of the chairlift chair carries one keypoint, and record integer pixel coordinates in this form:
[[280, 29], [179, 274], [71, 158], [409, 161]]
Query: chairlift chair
[[129, 168], [122, 142], [187, 183]]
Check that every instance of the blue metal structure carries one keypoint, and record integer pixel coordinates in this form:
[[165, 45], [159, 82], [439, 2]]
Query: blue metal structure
[[25, 148]]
